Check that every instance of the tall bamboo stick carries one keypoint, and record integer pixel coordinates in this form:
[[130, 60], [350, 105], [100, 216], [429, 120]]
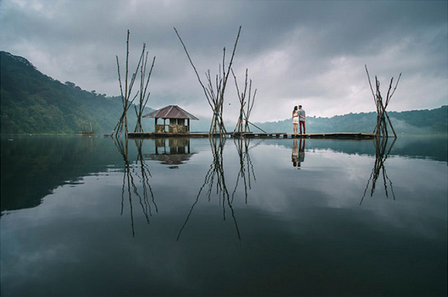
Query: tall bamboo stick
[[126, 100], [381, 128], [246, 104], [215, 93], [144, 82]]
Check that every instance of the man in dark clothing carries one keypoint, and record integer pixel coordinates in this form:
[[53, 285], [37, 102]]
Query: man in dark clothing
[[302, 118]]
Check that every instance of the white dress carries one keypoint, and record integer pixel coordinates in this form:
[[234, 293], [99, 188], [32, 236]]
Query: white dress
[[295, 117]]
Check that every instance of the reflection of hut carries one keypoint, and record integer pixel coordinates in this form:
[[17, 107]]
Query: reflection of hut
[[177, 151], [175, 146], [179, 119]]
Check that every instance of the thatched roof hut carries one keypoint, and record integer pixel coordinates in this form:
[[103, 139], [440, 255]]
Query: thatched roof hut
[[179, 119]]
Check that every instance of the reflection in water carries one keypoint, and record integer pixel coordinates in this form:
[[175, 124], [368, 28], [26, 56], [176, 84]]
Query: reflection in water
[[177, 152], [379, 169], [145, 175], [129, 182], [304, 241], [298, 153], [33, 167], [215, 178], [246, 172]]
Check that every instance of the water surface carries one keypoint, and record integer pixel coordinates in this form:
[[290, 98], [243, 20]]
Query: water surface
[[176, 217]]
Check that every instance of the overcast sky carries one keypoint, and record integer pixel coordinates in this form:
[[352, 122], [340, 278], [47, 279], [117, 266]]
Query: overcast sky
[[297, 52]]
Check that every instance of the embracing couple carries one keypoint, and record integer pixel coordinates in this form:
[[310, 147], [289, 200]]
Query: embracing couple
[[298, 117]]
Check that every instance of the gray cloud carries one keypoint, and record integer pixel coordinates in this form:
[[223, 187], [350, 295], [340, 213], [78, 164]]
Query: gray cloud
[[308, 52]]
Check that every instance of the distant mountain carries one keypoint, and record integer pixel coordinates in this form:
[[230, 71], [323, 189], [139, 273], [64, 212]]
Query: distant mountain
[[32, 102], [406, 122]]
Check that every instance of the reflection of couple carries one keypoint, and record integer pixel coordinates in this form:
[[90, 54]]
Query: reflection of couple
[[298, 153]]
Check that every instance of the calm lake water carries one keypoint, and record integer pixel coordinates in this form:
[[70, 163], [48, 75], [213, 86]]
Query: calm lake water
[[190, 217]]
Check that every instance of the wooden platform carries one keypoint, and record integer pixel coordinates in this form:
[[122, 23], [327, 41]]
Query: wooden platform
[[338, 135]]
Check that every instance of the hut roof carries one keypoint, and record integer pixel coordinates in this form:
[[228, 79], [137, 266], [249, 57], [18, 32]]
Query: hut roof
[[171, 112]]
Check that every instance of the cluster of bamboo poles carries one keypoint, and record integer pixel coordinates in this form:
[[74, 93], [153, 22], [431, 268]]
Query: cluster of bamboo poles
[[247, 100], [215, 180], [126, 90], [379, 169], [133, 173], [214, 91], [381, 128], [381, 131]]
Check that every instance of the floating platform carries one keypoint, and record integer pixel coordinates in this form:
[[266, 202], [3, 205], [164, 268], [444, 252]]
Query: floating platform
[[336, 135]]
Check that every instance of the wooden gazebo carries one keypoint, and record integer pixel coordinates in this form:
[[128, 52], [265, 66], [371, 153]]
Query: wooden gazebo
[[179, 119]]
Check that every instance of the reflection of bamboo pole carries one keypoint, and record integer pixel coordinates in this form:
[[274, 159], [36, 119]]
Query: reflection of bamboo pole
[[194, 204], [379, 169], [246, 172], [215, 178], [145, 174], [242, 173], [129, 182]]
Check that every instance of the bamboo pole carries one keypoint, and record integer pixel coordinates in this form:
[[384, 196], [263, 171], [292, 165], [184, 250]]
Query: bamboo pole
[[122, 123], [247, 101], [143, 100], [381, 128], [215, 93]]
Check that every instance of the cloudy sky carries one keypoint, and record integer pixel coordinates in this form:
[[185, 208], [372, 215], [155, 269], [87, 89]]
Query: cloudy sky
[[297, 52]]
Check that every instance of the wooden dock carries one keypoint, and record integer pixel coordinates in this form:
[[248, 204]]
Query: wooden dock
[[336, 135]]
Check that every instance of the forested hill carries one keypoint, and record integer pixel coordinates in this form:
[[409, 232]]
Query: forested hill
[[406, 122], [32, 102]]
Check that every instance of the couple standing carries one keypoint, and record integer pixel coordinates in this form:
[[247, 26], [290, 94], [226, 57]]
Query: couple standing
[[298, 118]]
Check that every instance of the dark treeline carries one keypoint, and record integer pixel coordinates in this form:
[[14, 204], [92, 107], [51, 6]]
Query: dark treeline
[[32, 102]]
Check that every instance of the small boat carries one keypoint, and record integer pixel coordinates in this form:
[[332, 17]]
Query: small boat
[[88, 133]]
